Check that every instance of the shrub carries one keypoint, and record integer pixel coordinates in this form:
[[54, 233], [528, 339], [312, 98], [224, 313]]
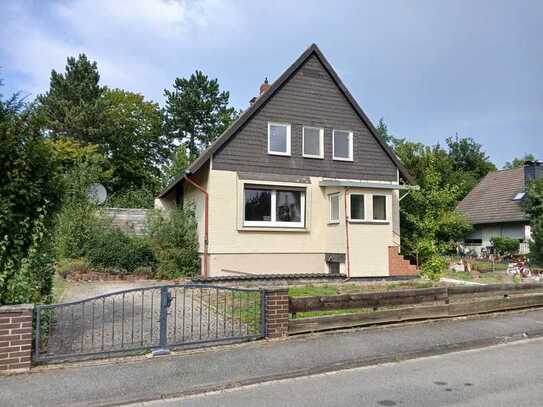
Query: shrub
[[65, 267], [434, 267], [112, 250], [505, 246], [174, 242], [133, 198]]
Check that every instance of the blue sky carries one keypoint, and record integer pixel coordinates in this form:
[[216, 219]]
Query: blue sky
[[430, 68]]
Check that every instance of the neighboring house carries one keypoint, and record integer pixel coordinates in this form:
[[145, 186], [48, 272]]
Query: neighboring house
[[494, 207], [300, 183]]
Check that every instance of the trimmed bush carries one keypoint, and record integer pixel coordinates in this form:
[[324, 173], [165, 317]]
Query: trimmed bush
[[434, 267], [113, 251], [174, 242], [505, 246]]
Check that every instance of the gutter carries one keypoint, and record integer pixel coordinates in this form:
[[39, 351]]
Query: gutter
[[206, 219]]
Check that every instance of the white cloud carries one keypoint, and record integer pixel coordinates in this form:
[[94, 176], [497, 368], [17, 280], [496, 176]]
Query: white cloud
[[139, 45]]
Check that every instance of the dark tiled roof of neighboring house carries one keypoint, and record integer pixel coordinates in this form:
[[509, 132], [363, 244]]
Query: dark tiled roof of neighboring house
[[491, 201]]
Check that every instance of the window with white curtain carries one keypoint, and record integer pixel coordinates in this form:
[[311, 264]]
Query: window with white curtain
[[274, 207], [279, 138], [342, 145], [334, 208], [313, 142]]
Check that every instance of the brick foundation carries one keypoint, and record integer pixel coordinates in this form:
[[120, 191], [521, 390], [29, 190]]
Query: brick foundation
[[15, 338], [276, 312], [397, 265]]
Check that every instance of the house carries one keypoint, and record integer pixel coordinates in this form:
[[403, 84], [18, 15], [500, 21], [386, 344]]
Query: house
[[494, 207], [300, 183]]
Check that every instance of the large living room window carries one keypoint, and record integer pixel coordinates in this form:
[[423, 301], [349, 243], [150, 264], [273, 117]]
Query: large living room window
[[274, 207], [279, 138]]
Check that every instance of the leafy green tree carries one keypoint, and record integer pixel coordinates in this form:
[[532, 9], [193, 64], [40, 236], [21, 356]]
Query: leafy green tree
[[73, 107], [505, 246], [469, 163], [382, 130], [179, 162], [518, 162], [136, 145], [30, 191], [430, 223], [533, 203], [197, 112]]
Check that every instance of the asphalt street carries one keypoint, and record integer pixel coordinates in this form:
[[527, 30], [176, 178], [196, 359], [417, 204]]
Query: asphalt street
[[503, 375]]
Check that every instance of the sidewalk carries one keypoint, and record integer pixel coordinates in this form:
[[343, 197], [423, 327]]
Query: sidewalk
[[148, 379]]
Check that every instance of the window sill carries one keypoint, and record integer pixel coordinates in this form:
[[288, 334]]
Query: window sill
[[279, 153], [314, 157], [343, 159], [271, 229], [370, 222], [335, 222]]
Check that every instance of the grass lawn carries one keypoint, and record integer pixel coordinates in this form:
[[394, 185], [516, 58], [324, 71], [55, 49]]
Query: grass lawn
[[59, 284], [499, 277]]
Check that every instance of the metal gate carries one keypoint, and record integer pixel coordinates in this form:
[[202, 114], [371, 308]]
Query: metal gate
[[148, 318]]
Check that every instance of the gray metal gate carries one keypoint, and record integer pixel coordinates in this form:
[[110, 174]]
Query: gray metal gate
[[148, 318]]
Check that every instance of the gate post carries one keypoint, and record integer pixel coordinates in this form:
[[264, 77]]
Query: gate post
[[165, 300], [276, 312], [15, 338]]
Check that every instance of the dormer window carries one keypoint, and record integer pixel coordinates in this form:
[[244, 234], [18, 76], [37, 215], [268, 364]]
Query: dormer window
[[279, 138], [342, 145]]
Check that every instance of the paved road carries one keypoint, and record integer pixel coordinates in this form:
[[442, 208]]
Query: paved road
[[150, 379], [503, 375]]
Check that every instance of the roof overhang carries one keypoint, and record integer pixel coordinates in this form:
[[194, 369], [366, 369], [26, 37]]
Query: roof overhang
[[366, 184]]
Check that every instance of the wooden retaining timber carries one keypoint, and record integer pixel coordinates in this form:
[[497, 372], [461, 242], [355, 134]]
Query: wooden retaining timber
[[455, 301]]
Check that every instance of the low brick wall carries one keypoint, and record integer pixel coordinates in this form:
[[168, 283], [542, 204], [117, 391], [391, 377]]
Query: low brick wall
[[15, 338], [276, 312]]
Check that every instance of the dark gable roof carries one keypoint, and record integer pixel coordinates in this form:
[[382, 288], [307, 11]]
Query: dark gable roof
[[261, 101], [491, 201]]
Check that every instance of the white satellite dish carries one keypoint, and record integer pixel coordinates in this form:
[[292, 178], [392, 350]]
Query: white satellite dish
[[97, 193]]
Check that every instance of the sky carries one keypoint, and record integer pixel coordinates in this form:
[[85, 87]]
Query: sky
[[431, 69]]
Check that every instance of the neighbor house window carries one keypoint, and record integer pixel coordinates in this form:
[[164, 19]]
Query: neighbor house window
[[313, 142], [334, 208], [274, 207], [279, 138], [342, 145], [357, 207], [379, 207]]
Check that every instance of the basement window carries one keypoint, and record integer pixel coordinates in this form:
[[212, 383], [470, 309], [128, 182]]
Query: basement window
[[274, 207], [279, 138]]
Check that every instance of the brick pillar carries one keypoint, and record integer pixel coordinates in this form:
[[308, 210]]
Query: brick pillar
[[276, 312], [15, 338]]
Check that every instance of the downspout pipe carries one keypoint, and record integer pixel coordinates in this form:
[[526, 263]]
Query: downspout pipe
[[348, 251], [206, 220]]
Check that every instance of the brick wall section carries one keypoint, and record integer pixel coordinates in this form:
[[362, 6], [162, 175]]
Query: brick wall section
[[15, 338], [397, 265], [276, 312]]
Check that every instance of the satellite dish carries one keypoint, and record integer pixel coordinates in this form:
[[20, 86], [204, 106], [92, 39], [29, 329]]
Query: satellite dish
[[97, 193]]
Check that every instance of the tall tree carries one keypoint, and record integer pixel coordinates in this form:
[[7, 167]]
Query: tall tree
[[469, 163], [518, 162], [534, 209], [73, 107], [197, 112], [136, 145]]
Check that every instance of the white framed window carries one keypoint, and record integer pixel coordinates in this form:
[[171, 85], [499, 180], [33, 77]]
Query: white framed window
[[313, 142], [379, 207], [357, 206], [334, 208], [273, 207], [342, 145], [279, 138]]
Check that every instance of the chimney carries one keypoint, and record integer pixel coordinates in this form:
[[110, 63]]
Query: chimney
[[263, 88], [532, 171]]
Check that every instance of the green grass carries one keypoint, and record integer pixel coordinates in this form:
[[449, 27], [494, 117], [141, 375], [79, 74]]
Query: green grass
[[59, 285], [487, 265], [312, 291]]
